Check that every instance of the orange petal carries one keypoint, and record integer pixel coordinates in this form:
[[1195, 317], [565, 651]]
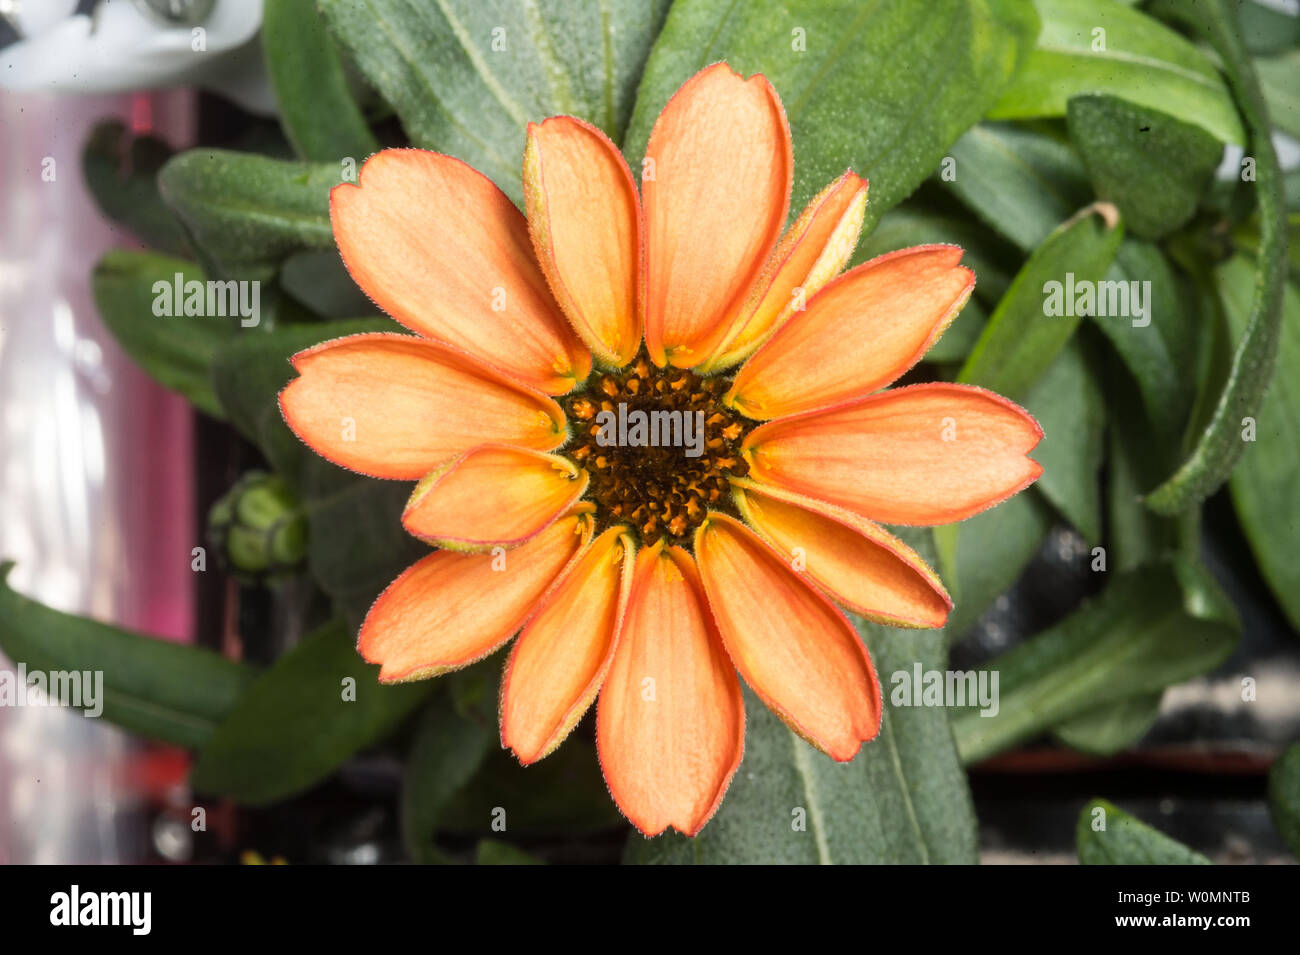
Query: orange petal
[[794, 648], [716, 185], [559, 661], [860, 564], [585, 218], [924, 454], [448, 610], [443, 251], [492, 495], [857, 335], [670, 724], [810, 254], [396, 406]]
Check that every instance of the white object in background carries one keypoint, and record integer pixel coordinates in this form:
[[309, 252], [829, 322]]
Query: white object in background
[[125, 45]]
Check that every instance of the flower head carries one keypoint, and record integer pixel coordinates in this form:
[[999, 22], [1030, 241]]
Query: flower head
[[707, 486]]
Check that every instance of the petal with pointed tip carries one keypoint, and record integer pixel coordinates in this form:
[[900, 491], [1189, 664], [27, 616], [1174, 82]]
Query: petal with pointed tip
[[559, 661], [794, 648], [669, 757], [924, 454], [449, 609], [859, 563], [810, 254], [858, 334], [441, 249], [715, 202], [492, 495], [584, 215], [396, 406]]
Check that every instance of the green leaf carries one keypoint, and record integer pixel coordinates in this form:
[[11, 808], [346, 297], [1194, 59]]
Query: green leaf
[[152, 687], [1035, 319], [1107, 730], [1137, 535], [1284, 797], [1149, 629], [317, 110], [302, 719], [121, 173], [1279, 80], [1267, 30], [1068, 405], [1126, 840], [492, 852], [1154, 167], [1220, 446], [903, 799], [563, 794], [981, 557], [1263, 484], [1021, 182], [447, 751], [884, 88], [1153, 345], [467, 76], [176, 350], [318, 279], [356, 544], [246, 212], [1100, 46]]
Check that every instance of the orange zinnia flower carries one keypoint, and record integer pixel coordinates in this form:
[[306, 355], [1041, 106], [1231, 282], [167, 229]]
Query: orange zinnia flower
[[651, 574]]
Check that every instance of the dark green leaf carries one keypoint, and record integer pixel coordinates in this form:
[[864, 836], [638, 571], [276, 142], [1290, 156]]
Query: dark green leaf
[[317, 110], [467, 76], [1100, 46], [1021, 182], [356, 543], [1041, 309], [248, 212], [1263, 484], [981, 557], [176, 350], [1279, 79], [492, 852], [1126, 840], [1068, 405], [903, 799], [152, 687], [1149, 629], [1154, 167], [1107, 730], [1153, 345], [121, 172], [304, 717], [318, 279], [1220, 446], [564, 793], [447, 751], [884, 88], [1284, 797], [1267, 30]]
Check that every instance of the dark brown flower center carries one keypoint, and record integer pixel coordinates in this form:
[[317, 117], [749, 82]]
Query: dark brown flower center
[[659, 445]]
